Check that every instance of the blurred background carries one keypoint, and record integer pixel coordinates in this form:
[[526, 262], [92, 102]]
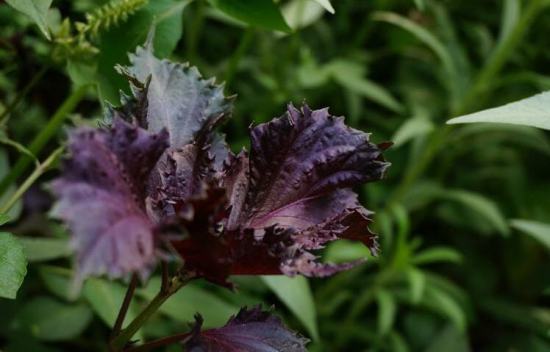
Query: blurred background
[[465, 259]]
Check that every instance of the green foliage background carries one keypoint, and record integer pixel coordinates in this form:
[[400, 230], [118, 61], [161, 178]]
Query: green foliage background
[[453, 274]]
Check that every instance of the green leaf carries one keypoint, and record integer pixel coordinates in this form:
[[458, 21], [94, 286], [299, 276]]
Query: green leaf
[[442, 303], [296, 294], [257, 13], [417, 284], [437, 254], [19, 147], [13, 267], [410, 129], [57, 280], [420, 5], [35, 9], [326, 4], [538, 230], [511, 14], [350, 75], [387, 309], [533, 111], [106, 299], [50, 320], [16, 210], [4, 218], [482, 206], [43, 249], [192, 299], [119, 40], [302, 13], [449, 339], [423, 35]]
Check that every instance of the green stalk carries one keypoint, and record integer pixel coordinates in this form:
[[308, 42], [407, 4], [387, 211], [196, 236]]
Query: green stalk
[[30, 180], [36, 78], [44, 136], [177, 283]]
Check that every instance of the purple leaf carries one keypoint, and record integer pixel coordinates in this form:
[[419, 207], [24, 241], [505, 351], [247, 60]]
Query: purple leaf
[[178, 99], [101, 197], [298, 159], [251, 330]]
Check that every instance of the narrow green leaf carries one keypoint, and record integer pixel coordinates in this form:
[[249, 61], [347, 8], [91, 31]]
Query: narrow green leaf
[[412, 128], [423, 35], [326, 4], [437, 254], [482, 206], [43, 249], [350, 75], [257, 13], [417, 284], [442, 302], [5, 169], [50, 320], [106, 299], [538, 230], [296, 294], [19, 147], [35, 9], [533, 111], [190, 300], [449, 339], [4, 218], [13, 267], [420, 5], [387, 308], [511, 13]]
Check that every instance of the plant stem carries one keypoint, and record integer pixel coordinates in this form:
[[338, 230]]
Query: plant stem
[[44, 136], [124, 308], [177, 282], [30, 180], [36, 78], [163, 341]]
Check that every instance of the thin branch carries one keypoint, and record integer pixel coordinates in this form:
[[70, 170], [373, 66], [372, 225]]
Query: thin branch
[[124, 308], [165, 285], [163, 341]]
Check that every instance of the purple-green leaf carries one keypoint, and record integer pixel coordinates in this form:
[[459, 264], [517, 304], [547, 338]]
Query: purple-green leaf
[[251, 330]]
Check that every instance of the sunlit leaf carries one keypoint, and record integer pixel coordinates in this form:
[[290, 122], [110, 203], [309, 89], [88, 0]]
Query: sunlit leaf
[[258, 13], [13, 267], [538, 230], [35, 9], [533, 111], [302, 13], [326, 4], [296, 294]]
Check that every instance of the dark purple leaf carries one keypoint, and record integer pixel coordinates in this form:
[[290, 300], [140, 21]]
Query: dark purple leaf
[[251, 330], [101, 197], [298, 159]]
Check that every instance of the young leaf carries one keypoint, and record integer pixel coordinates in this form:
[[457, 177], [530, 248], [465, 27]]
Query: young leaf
[[538, 230], [251, 330], [35, 9], [101, 197], [13, 267], [533, 111], [258, 13], [296, 294]]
